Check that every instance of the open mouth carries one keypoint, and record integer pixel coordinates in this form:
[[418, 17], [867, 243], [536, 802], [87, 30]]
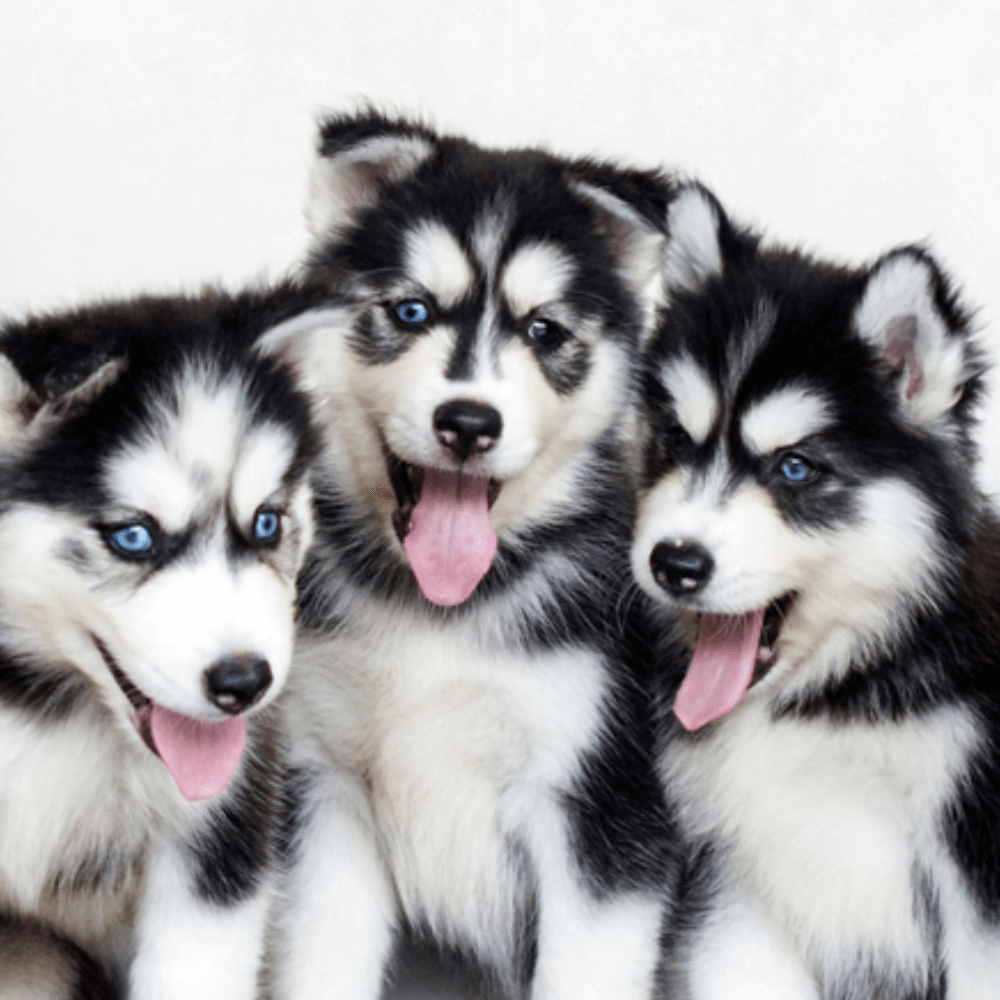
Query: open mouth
[[201, 756], [774, 618], [733, 653], [442, 520]]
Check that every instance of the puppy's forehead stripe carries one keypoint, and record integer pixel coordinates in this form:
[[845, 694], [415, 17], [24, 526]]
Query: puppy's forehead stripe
[[435, 260], [488, 237], [264, 459], [696, 402], [151, 480], [535, 275], [784, 418]]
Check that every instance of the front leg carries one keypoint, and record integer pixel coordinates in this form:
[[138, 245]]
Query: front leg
[[336, 921], [202, 918], [736, 954], [591, 945], [193, 943]]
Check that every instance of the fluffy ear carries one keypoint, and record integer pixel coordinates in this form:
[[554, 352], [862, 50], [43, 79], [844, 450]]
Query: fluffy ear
[[694, 239], [304, 345], [360, 156], [18, 406], [635, 242], [27, 412], [910, 317]]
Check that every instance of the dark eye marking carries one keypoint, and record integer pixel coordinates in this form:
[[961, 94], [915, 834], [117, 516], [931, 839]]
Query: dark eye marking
[[675, 443]]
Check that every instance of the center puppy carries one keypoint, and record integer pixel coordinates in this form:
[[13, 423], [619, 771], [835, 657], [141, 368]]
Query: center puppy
[[473, 745]]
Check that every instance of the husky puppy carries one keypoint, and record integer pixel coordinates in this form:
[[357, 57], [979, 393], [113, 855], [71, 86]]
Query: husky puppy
[[810, 507], [155, 509], [473, 748]]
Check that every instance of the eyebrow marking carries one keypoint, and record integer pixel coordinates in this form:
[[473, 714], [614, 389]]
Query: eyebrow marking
[[696, 402], [536, 275], [435, 260], [784, 418]]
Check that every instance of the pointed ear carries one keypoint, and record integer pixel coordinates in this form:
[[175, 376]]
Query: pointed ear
[[18, 407], [359, 157], [694, 239], [635, 242], [911, 318], [304, 345], [26, 413]]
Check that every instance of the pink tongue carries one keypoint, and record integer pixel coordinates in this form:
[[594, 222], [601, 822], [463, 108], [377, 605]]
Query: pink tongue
[[451, 542], [201, 757], [721, 669]]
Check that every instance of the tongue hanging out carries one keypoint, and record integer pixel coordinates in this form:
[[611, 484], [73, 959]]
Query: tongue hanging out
[[451, 543], [201, 757], [722, 668]]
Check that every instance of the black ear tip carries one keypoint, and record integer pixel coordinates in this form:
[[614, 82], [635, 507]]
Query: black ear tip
[[342, 131]]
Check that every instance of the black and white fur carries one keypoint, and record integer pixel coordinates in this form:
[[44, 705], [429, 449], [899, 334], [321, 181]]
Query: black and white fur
[[480, 774], [811, 433], [152, 414]]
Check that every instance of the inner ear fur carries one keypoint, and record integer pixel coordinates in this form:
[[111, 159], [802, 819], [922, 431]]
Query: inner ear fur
[[694, 250], [27, 413], [910, 315], [636, 242]]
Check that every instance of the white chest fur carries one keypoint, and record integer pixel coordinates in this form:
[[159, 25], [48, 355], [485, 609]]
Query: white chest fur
[[462, 749], [77, 805], [827, 825]]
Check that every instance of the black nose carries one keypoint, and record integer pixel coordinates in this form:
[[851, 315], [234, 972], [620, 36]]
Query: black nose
[[680, 567], [467, 428], [237, 682]]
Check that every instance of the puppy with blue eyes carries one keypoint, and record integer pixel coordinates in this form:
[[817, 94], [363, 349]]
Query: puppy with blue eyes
[[472, 745], [155, 508], [809, 508]]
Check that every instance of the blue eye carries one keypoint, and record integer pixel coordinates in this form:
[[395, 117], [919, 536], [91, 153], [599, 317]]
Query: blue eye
[[131, 540], [266, 526], [798, 470], [412, 311]]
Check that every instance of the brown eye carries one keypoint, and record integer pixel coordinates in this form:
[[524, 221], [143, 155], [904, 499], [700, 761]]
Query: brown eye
[[675, 442], [545, 334]]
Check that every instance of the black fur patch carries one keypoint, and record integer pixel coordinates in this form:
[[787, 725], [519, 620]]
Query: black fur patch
[[50, 696], [235, 846], [294, 813]]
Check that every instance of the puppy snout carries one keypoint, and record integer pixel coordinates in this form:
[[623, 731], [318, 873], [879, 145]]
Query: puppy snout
[[237, 682], [680, 567], [466, 427]]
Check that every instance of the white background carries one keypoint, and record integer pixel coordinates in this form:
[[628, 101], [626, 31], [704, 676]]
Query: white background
[[155, 146]]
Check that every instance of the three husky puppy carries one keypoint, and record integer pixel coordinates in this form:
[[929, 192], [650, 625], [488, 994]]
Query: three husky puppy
[[495, 740]]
